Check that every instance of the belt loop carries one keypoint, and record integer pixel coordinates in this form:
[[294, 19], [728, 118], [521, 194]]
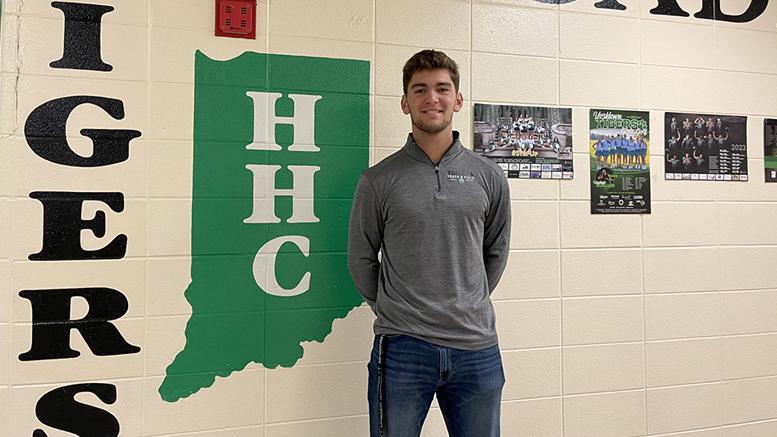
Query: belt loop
[[382, 348]]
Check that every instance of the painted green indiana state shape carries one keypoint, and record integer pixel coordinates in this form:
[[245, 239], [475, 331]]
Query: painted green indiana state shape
[[234, 321]]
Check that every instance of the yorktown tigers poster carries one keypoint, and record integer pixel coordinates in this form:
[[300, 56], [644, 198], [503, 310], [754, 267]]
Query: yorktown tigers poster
[[619, 150]]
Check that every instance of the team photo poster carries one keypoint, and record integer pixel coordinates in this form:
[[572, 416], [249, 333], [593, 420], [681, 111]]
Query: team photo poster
[[619, 148], [705, 147], [528, 142], [770, 149]]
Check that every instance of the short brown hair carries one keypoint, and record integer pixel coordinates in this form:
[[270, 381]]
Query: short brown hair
[[429, 60]]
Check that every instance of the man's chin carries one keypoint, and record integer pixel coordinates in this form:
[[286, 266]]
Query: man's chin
[[430, 128]]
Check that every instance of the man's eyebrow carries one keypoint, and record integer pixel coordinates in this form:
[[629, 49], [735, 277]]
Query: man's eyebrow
[[423, 85]]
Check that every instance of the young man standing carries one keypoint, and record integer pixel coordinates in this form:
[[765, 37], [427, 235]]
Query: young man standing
[[440, 216]]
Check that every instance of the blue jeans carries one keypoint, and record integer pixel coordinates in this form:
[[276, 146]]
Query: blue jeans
[[468, 385]]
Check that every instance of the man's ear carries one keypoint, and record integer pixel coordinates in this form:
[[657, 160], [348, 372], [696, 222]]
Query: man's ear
[[405, 107], [459, 102]]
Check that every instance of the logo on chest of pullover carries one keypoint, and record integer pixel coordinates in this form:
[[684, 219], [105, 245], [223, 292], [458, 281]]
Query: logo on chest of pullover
[[460, 176]]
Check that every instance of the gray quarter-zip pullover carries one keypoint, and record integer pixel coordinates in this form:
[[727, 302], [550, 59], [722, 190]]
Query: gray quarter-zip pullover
[[443, 230]]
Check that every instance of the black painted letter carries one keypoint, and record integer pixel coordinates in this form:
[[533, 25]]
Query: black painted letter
[[59, 409], [610, 4], [51, 323], [62, 225], [669, 7], [710, 10], [46, 133], [82, 36]]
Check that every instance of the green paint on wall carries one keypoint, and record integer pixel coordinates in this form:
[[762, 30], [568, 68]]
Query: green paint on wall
[[235, 320]]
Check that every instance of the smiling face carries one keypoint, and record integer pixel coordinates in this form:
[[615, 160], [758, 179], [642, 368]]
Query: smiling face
[[431, 100]]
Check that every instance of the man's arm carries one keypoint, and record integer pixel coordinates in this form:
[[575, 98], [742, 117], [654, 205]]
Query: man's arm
[[496, 239], [365, 233]]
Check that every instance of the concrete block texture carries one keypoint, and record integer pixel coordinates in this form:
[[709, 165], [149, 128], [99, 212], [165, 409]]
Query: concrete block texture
[[655, 325]]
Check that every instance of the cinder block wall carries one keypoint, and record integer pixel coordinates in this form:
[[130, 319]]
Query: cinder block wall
[[652, 325]]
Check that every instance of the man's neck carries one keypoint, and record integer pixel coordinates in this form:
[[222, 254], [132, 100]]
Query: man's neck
[[434, 145]]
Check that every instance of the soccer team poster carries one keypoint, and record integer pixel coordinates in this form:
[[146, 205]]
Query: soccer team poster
[[705, 147], [770, 149], [528, 142], [619, 148]]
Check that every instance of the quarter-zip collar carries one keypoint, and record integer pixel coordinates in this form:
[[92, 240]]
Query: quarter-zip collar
[[415, 152]]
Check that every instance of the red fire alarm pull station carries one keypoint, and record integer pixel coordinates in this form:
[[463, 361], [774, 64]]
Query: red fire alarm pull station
[[236, 19]]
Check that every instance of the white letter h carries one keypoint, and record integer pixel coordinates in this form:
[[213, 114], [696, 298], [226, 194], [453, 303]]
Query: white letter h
[[265, 121]]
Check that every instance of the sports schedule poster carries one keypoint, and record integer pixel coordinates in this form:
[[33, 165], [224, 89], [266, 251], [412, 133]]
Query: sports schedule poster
[[705, 147], [770, 149], [619, 147], [528, 142]]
